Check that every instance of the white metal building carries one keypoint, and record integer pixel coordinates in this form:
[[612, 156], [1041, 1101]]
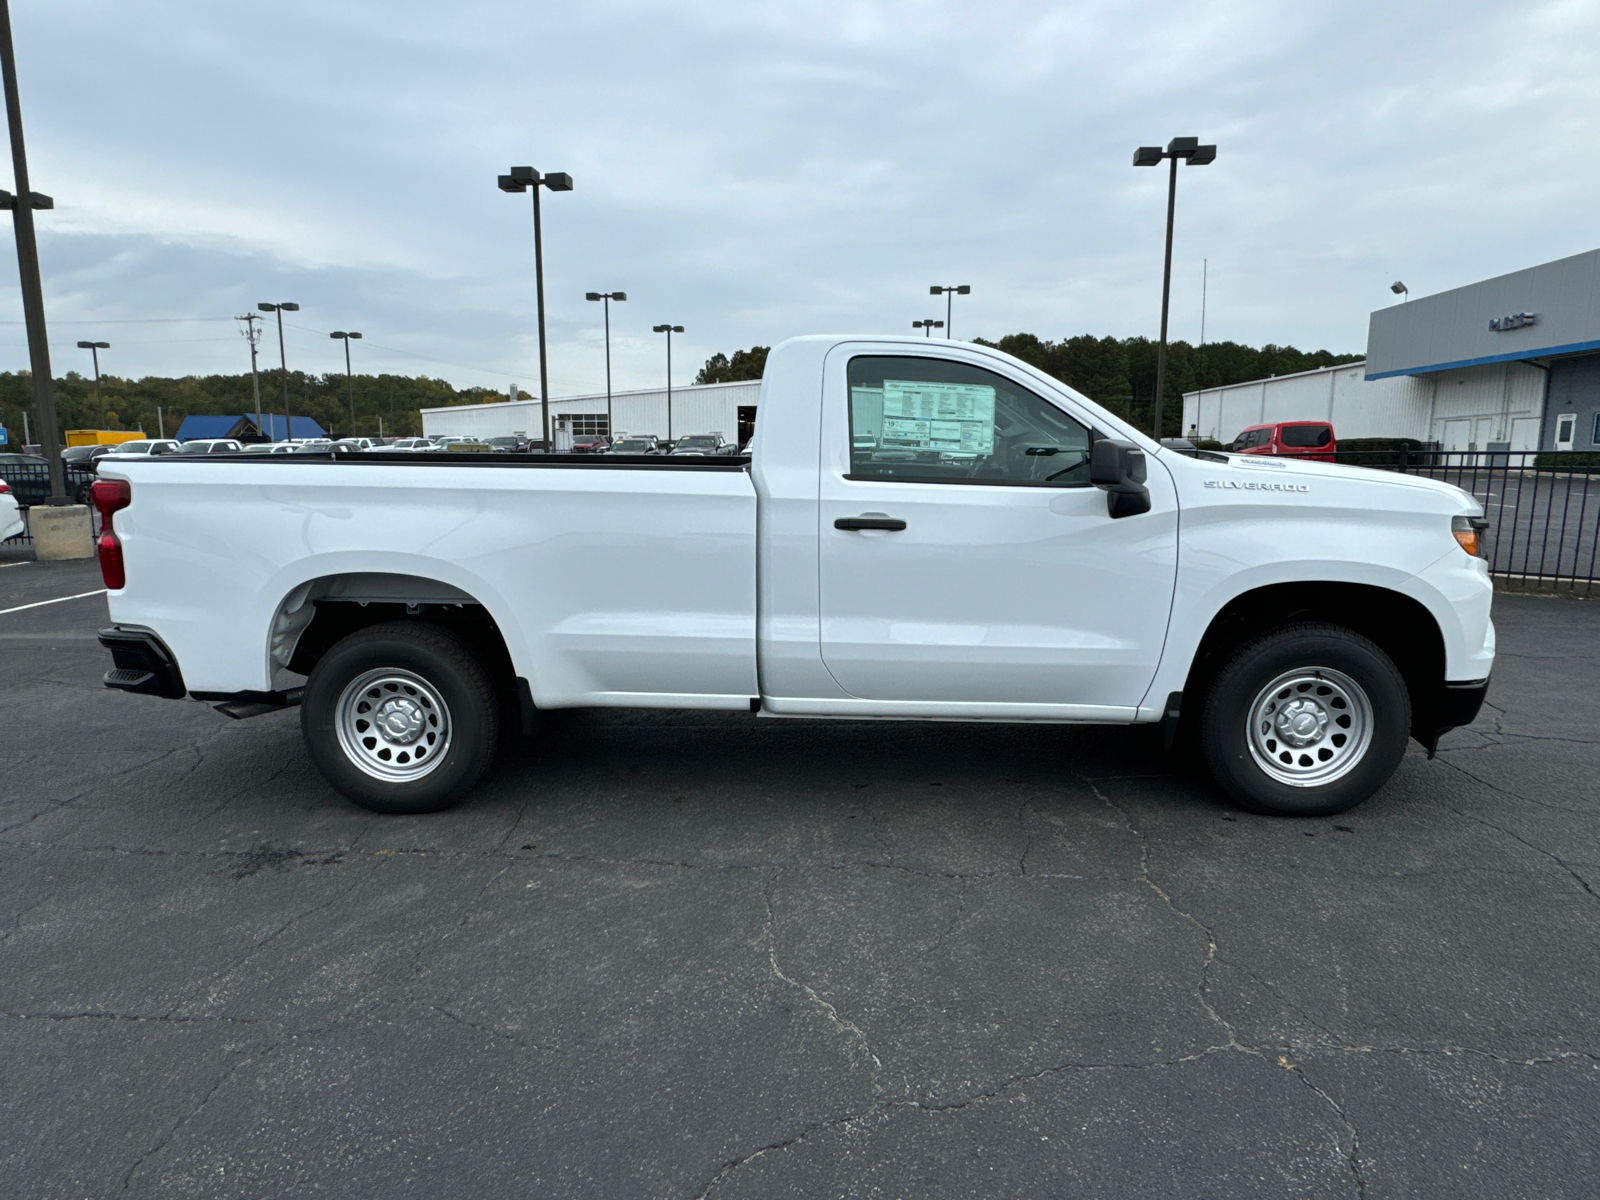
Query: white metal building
[[1510, 363], [1492, 406], [725, 408]]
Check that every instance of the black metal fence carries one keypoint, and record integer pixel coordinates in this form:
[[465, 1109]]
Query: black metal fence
[[30, 485], [1543, 508]]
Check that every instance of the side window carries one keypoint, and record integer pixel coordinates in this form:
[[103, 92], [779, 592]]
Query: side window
[[930, 420]]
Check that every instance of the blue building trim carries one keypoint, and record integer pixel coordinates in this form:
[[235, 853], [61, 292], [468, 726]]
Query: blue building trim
[[1515, 356]]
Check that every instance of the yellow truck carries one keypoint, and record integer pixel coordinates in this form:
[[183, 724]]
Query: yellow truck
[[102, 437]]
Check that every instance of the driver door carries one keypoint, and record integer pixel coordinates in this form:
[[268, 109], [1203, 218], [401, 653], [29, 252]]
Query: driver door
[[965, 559]]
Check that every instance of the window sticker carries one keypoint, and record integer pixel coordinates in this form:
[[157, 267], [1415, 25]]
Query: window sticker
[[956, 418]]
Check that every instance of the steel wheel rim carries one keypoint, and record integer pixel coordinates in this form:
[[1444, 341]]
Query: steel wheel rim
[[1309, 727], [394, 725]]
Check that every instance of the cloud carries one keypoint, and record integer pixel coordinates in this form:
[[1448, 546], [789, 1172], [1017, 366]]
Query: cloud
[[758, 171]]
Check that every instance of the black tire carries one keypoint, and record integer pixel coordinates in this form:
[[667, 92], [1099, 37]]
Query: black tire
[[82, 496], [436, 678], [1334, 683]]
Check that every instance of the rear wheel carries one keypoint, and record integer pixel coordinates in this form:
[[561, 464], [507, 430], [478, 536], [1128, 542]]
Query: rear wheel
[[1305, 720], [401, 717]]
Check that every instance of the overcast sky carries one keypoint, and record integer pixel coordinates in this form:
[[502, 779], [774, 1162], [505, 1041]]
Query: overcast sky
[[757, 171]]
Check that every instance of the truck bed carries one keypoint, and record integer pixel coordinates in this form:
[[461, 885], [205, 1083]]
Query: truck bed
[[619, 580]]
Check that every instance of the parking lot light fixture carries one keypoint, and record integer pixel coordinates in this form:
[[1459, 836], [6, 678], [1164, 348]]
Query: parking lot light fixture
[[607, 298], [523, 179], [949, 292], [94, 348], [1398, 288], [669, 330], [1192, 152], [280, 308], [350, 383], [927, 327]]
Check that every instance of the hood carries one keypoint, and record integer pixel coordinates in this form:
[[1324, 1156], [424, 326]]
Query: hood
[[1259, 466]]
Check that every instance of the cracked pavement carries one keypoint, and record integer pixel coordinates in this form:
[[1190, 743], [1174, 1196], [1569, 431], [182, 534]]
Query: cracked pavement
[[705, 955]]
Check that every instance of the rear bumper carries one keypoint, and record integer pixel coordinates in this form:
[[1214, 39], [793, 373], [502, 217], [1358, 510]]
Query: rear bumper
[[143, 663]]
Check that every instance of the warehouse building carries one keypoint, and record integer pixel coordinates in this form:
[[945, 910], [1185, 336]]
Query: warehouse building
[[725, 408], [1511, 363]]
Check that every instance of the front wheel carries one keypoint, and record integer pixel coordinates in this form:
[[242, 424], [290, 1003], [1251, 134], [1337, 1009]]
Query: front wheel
[[1305, 720], [400, 717]]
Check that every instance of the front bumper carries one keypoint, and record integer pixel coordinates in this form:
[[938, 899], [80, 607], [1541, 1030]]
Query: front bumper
[[143, 663], [1455, 705]]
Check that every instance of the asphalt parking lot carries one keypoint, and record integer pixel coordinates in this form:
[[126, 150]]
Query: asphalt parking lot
[[680, 955]]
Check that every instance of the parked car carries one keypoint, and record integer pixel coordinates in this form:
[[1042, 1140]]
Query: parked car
[[509, 444], [703, 444], [147, 447], [590, 443], [87, 454], [409, 444], [271, 448], [1293, 439], [210, 446], [1035, 570], [11, 522], [357, 443], [643, 443]]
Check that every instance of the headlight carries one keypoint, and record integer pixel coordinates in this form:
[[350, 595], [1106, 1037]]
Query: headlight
[[1469, 533]]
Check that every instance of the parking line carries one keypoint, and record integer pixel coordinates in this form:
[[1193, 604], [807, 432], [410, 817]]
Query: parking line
[[57, 600]]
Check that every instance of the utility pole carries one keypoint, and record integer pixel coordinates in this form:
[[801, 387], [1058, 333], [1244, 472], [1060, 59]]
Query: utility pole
[[253, 335], [22, 206]]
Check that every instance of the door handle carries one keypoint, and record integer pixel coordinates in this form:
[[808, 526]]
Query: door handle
[[894, 524]]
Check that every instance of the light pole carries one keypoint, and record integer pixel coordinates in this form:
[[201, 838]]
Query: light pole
[[521, 179], [959, 290], [94, 348], [22, 205], [1191, 151], [253, 336], [927, 327], [607, 297], [669, 330], [1401, 290], [283, 362], [349, 379]]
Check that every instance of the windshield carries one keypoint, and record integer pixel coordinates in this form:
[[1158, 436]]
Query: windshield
[[697, 442], [194, 447], [631, 446]]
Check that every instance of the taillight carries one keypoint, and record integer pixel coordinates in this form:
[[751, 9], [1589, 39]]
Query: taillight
[[4, 487], [110, 496]]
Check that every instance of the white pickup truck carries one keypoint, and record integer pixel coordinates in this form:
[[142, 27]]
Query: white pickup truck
[[923, 531]]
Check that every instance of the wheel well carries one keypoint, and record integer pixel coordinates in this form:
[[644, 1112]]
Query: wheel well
[[319, 614], [1400, 626]]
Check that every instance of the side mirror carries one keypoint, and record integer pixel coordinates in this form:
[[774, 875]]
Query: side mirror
[[1118, 468]]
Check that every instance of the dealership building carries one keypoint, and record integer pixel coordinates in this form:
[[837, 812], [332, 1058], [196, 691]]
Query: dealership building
[[1510, 363], [725, 408]]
